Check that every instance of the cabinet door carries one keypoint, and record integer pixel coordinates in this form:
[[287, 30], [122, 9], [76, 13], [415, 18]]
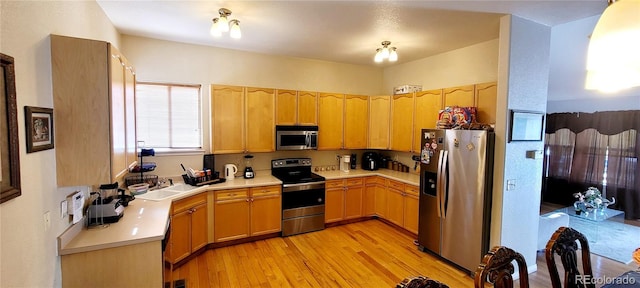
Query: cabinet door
[[231, 215], [395, 206], [402, 122], [369, 200], [307, 108], [486, 97], [462, 96], [118, 127], [130, 114], [334, 205], [353, 202], [427, 106], [411, 208], [199, 226], [379, 121], [260, 123], [381, 200], [266, 210], [227, 112], [286, 107], [330, 121], [355, 121], [180, 245]]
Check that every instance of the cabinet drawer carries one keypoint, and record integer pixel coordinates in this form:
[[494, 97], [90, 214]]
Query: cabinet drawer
[[375, 180], [231, 194], [265, 191], [188, 203], [396, 185], [354, 182], [334, 183], [413, 190]]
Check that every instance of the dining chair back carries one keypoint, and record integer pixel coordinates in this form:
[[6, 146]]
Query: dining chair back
[[564, 242], [497, 268]]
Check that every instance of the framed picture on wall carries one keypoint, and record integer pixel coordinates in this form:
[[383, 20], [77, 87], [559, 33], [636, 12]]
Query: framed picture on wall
[[39, 128], [526, 126]]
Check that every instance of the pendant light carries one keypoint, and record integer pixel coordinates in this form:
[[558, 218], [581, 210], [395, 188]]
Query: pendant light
[[222, 24], [386, 52], [613, 60]]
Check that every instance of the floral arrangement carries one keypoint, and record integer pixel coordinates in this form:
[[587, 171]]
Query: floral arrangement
[[590, 200]]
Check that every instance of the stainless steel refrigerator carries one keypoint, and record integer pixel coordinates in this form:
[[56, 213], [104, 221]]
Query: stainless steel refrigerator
[[456, 173]]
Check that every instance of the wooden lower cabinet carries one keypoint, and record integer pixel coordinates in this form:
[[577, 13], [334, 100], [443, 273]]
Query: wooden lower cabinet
[[343, 199], [266, 210], [353, 192], [334, 201], [189, 227], [403, 205], [395, 204], [411, 208], [241, 213], [375, 198]]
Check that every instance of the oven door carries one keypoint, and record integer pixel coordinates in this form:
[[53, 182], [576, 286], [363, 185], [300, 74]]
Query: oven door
[[302, 195]]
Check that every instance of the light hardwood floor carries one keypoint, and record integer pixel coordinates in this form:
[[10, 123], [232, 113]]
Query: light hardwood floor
[[363, 254]]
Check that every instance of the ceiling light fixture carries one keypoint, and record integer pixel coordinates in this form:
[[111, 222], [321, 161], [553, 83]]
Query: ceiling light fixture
[[223, 24], [613, 61], [386, 52]]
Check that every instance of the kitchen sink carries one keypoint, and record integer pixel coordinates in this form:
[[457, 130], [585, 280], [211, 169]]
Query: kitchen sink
[[157, 195], [180, 187]]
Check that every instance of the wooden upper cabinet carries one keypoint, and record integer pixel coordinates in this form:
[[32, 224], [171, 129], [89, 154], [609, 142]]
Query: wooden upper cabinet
[[259, 120], [227, 114], [118, 126], [286, 107], [355, 124], [130, 113], [307, 108], [463, 96], [486, 97], [330, 121], [91, 112], [401, 122], [379, 121], [427, 105]]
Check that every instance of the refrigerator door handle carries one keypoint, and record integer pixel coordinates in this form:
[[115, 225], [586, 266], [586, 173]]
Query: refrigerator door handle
[[439, 188], [444, 180]]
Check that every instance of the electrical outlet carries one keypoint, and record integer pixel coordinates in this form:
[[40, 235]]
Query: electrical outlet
[[511, 184], [63, 209], [47, 221]]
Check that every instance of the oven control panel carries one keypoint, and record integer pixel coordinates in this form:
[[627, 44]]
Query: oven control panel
[[291, 162]]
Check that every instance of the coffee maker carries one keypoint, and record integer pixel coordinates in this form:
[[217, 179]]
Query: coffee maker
[[370, 160], [248, 171]]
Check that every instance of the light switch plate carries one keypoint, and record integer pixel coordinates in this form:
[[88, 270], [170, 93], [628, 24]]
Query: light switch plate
[[63, 209]]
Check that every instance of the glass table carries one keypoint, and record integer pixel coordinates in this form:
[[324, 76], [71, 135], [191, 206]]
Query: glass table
[[589, 223]]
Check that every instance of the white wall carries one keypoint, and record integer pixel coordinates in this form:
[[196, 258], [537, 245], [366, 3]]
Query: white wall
[[523, 77], [27, 251], [568, 61], [469, 65]]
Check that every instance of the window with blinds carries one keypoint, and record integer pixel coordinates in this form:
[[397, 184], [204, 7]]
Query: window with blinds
[[168, 116]]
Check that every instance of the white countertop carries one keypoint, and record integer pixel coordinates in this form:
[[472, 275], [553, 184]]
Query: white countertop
[[143, 220], [408, 178], [146, 220]]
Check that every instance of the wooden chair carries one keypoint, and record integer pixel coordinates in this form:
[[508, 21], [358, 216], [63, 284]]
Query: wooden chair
[[563, 242], [497, 268]]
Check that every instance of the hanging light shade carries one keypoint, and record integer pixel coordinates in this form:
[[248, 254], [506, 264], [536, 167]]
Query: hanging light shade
[[215, 31], [224, 21], [235, 29], [393, 55], [378, 58], [385, 49], [613, 60]]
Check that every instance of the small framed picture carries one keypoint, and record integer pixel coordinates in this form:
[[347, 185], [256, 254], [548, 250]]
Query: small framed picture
[[526, 126], [39, 128]]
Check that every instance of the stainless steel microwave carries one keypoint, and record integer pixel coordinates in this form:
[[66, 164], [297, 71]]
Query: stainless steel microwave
[[290, 137]]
